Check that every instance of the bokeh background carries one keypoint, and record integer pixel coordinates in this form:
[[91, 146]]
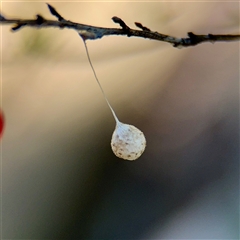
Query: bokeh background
[[60, 179]]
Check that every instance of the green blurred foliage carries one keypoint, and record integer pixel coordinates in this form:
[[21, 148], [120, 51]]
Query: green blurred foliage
[[36, 43]]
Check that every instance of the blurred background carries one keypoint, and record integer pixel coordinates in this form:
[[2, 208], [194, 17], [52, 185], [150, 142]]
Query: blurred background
[[60, 179]]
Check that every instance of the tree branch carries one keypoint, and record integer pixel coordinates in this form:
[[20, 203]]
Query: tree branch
[[92, 32]]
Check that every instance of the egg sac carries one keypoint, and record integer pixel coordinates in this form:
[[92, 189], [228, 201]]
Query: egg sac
[[128, 142]]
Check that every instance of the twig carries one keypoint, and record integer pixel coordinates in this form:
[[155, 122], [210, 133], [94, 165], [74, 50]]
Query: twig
[[92, 32]]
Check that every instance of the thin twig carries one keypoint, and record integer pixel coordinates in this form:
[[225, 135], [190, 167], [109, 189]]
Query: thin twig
[[99, 32]]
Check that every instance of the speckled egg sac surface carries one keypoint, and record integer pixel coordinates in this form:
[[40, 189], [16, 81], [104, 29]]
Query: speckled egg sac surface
[[128, 142]]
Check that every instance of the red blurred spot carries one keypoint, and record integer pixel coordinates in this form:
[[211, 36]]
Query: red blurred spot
[[1, 123]]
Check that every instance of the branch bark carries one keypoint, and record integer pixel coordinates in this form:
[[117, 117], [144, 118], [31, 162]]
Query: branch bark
[[93, 32]]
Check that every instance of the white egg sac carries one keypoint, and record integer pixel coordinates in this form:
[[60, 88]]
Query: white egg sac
[[128, 142]]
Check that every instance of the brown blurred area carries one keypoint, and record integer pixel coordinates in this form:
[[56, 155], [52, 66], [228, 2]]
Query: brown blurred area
[[60, 179]]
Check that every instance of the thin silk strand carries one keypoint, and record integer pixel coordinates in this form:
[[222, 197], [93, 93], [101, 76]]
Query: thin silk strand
[[114, 115]]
